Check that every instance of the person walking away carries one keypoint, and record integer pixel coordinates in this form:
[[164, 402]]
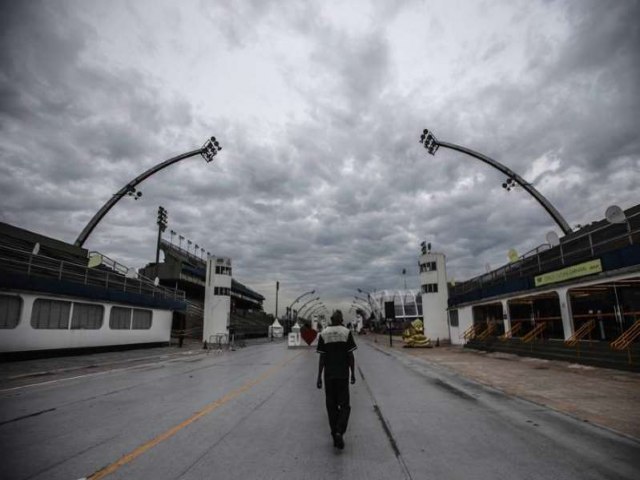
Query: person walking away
[[336, 346]]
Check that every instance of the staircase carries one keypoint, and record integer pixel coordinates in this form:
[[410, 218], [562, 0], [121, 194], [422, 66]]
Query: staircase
[[583, 331]]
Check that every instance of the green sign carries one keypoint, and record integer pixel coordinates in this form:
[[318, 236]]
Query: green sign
[[580, 270]]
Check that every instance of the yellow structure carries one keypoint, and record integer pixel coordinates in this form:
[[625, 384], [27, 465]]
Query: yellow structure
[[414, 337]]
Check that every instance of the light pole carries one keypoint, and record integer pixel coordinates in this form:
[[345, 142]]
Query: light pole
[[305, 304], [431, 144], [289, 308], [314, 310], [312, 307], [371, 303], [364, 307], [208, 151], [162, 226], [360, 308], [362, 304]]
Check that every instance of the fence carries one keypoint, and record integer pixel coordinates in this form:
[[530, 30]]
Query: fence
[[34, 265]]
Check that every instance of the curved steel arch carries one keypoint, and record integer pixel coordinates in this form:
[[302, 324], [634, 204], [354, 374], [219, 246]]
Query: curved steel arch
[[431, 144], [208, 151]]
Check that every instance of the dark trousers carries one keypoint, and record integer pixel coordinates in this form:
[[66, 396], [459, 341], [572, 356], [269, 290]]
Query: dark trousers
[[338, 408]]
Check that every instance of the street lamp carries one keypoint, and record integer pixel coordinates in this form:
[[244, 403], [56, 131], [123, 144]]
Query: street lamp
[[311, 292], [314, 310], [313, 306], [370, 301], [208, 151], [429, 141], [162, 226], [305, 304], [365, 300], [362, 304], [289, 308]]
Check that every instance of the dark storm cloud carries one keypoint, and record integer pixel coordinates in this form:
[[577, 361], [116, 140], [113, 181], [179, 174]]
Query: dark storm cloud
[[341, 197], [68, 122]]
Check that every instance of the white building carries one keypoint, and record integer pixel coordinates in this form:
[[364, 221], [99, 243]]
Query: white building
[[433, 286], [217, 300], [407, 304]]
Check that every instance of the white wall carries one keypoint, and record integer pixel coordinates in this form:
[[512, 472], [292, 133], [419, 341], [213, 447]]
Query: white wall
[[217, 308], [26, 338], [434, 304], [465, 320]]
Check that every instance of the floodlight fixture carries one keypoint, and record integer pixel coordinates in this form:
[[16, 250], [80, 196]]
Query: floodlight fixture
[[210, 149], [310, 292], [429, 141], [509, 184]]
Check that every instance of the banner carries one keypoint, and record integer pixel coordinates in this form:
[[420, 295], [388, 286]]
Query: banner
[[575, 271]]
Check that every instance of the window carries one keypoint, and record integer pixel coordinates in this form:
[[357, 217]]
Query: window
[[120, 318], [429, 288], [428, 267], [453, 318], [123, 318], [86, 316], [50, 314], [221, 291], [223, 270], [10, 309], [141, 319]]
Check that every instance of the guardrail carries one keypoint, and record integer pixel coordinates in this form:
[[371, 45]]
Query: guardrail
[[471, 332], [627, 338], [484, 334], [571, 250], [515, 328], [30, 264], [579, 334], [537, 330]]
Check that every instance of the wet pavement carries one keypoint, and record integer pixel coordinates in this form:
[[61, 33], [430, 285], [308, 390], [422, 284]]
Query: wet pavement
[[255, 413], [604, 397]]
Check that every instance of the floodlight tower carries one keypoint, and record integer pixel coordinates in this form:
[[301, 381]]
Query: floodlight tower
[[429, 141], [305, 304], [208, 151]]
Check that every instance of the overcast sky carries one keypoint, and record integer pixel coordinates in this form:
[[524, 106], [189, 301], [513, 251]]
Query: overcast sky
[[319, 106]]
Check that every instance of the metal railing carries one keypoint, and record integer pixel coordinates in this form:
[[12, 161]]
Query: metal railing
[[579, 334], [545, 257], [515, 328], [625, 340], [185, 253], [484, 334], [34, 265], [537, 330], [471, 332]]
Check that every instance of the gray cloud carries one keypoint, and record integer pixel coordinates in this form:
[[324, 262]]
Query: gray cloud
[[339, 194]]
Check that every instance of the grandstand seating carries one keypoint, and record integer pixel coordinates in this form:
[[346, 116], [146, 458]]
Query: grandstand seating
[[250, 323]]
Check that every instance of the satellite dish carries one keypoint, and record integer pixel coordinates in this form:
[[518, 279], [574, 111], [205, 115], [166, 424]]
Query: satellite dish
[[512, 255], [36, 248], [553, 239], [95, 260], [614, 214]]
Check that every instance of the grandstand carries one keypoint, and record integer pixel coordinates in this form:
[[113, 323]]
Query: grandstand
[[56, 297], [576, 298], [186, 271]]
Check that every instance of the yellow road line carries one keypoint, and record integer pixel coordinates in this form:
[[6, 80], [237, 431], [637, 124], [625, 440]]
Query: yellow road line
[[129, 457]]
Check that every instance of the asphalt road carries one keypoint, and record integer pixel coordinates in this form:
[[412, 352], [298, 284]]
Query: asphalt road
[[255, 413]]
